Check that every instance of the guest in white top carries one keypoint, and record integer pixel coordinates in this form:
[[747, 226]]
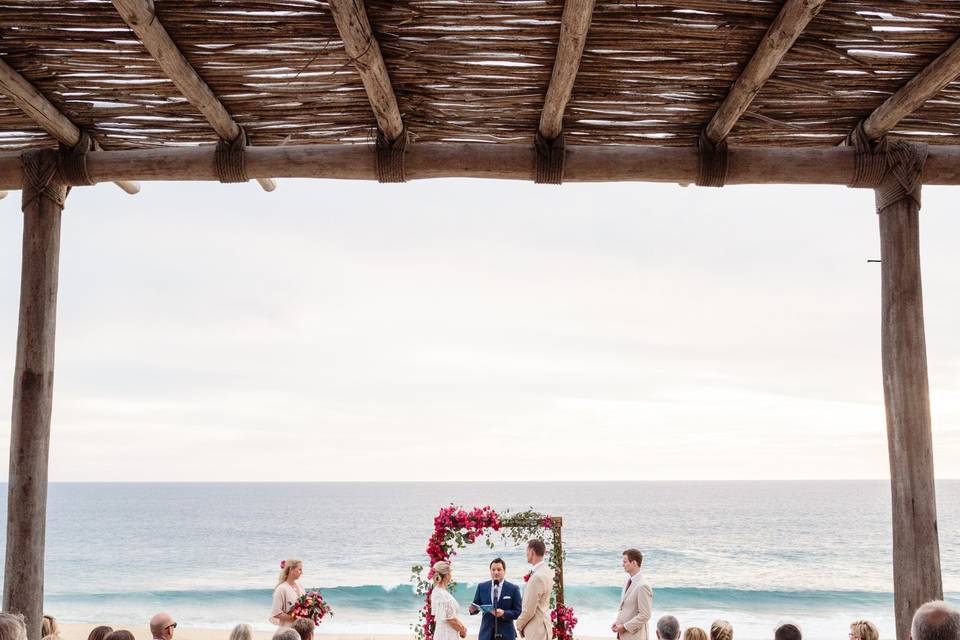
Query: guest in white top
[[444, 606], [287, 593]]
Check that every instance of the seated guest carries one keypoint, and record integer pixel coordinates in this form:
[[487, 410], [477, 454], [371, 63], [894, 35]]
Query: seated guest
[[668, 628], [49, 628], [304, 628], [241, 632], [120, 634], [723, 630], [162, 626], [100, 633], [864, 630], [286, 633], [787, 632], [936, 620], [694, 633], [12, 627]]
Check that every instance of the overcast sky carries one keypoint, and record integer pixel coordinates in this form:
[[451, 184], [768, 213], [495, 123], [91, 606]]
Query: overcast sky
[[463, 330]]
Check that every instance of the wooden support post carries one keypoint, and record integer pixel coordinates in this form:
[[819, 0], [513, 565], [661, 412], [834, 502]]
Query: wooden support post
[[33, 392], [916, 549]]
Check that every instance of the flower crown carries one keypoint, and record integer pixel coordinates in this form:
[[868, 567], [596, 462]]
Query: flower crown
[[283, 564]]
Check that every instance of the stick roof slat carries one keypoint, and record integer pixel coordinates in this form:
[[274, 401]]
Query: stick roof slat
[[574, 26]]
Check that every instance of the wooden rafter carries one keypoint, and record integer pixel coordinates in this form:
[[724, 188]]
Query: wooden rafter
[[29, 100], [923, 86], [575, 23], [362, 48], [783, 32], [141, 16]]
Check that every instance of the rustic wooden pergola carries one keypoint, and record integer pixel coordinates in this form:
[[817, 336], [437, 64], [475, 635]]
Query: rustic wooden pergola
[[710, 92]]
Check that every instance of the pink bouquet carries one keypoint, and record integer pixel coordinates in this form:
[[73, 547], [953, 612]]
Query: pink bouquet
[[311, 605]]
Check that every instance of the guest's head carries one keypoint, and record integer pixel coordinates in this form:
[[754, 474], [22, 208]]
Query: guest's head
[[241, 632], [668, 628], [442, 574], [120, 634], [49, 627], [536, 550], [12, 627], [290, 569], [723, 630], [787, 632], [864, 630], [304, 628], [694, 633], [286, 634], [936, 620], [99, 633], [632, 559], [162, 626], [498, 569]]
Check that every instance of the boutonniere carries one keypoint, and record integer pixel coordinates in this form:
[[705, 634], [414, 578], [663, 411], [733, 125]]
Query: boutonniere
[[526, 578]]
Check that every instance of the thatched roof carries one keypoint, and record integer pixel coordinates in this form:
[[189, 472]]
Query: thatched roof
[[650, 73]]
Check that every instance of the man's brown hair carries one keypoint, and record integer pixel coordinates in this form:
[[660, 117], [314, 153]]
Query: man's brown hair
[[538, 547], [634, 555]]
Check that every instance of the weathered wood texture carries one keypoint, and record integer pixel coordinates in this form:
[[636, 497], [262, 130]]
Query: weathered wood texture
[[923, 86], [916, 548], [786, 28], [749, 165], [32, 406], [141, 16], [364, 52], [574, 26], [44, 112]]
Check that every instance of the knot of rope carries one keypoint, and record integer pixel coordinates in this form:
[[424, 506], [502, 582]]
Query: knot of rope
[[73, 160], [40, 177], [390, 155], [893, 168], [231, 159], [550, 159], [711, 162]]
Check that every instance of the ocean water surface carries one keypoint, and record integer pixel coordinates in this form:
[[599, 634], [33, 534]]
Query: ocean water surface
[[755, 553]]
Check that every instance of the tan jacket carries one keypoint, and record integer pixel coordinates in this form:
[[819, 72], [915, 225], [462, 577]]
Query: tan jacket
[[534, 621], [635, 610]]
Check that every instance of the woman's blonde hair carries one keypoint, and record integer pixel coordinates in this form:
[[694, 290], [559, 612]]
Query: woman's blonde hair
[[286, 567], [722, 630], [241, 632], [865, 630], [441, 572], [49, 626], [694, 633]]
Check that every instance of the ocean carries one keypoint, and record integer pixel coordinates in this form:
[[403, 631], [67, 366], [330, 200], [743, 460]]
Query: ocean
[[755, 553]]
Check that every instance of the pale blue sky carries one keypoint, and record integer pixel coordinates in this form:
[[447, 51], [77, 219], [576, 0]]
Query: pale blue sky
[[353, 331]]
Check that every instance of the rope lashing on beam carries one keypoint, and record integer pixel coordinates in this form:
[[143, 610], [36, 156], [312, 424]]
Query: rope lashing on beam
[[231, 159], [41, 178], [893, 168], [711, 162], [390, 156], [550, 158], [73, 160]]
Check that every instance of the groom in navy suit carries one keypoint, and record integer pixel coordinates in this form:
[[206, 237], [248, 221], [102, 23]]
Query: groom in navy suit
[[505, 597]]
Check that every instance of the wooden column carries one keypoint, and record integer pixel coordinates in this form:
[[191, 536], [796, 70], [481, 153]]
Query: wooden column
[[916, 549], [43, 199]]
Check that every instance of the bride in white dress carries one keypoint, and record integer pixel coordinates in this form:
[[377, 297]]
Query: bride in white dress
[[444, 606]]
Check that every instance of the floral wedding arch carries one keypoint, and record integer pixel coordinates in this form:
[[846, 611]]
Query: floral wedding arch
[[454, 528]]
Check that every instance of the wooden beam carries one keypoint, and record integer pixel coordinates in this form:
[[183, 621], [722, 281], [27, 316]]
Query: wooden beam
[[574, 25], [141, 16], [906, 394], [44, 113], [783, 32], [32, 406], [923, 86], [515, 161], [364, 51]]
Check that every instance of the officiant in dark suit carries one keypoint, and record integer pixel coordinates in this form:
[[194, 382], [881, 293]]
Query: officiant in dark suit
[[505, 600]]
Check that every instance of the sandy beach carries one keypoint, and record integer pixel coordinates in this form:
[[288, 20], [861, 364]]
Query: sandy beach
[[80, 632]]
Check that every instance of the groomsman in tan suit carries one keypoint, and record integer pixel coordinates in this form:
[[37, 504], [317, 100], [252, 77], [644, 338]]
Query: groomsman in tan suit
[[636, 601], [534, 621]]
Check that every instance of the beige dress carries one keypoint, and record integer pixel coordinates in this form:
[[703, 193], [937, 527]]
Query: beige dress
[[284, 597]]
